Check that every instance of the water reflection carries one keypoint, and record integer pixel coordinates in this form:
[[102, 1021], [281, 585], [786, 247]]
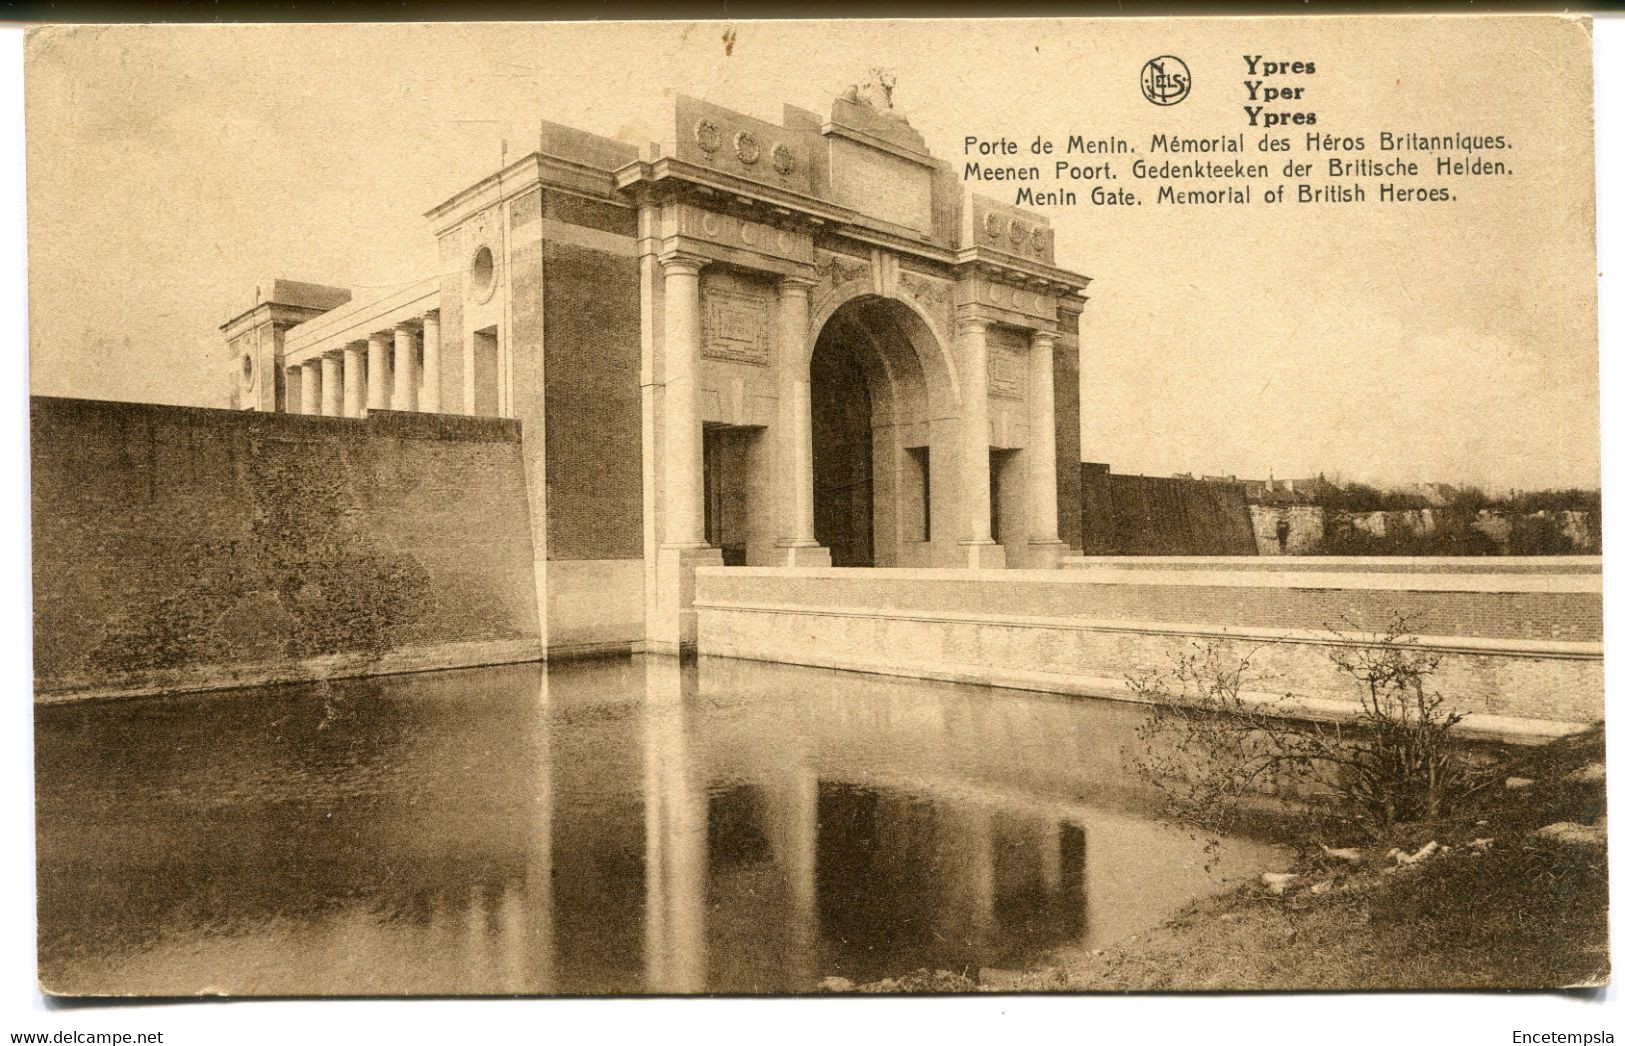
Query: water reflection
[[605, 826]]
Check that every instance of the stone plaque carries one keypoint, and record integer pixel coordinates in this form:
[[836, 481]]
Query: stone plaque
[[1006, 371], [735, 327]]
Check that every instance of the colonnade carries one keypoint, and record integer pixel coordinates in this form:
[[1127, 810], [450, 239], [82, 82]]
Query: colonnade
[[378, 373]]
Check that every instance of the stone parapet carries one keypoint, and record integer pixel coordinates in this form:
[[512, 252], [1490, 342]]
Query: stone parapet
[[1359, 564], [1520, 652]]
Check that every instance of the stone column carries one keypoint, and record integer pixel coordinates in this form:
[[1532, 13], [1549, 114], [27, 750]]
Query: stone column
[[310, 391], [293, 400], [683, 545], [798, 545], [333, 384], [378, 370], [406, 370], [685, 485], [355, 377], [1044, 545], [430, 401], [978, 548]]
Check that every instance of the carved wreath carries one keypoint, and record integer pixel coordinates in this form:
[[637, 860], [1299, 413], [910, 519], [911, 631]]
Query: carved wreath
[[745, 147], [784, 161], [707, 135]]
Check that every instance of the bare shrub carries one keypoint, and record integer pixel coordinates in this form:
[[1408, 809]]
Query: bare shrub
[[1216, 749]]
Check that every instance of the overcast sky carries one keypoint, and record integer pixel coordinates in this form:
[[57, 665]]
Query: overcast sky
[[172, 169]]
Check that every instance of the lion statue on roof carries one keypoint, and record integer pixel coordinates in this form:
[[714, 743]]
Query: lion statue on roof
[[876, 92]]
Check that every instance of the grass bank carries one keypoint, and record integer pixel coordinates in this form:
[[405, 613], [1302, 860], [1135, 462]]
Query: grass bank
[[1497, 903]]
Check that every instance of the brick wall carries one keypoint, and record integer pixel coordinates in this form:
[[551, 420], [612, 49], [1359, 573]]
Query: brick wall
[[1124, 515], [182, 548], [594, 410], [1068, 486], [524, 337]]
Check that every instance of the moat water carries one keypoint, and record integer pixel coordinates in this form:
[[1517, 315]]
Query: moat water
[[614, 826]]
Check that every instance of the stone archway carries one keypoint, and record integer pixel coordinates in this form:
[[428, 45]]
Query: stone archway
[[883, 438], [843, 449]]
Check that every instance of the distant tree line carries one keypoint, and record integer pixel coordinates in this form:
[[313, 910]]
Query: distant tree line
[[1361, 497], [1533, 520]]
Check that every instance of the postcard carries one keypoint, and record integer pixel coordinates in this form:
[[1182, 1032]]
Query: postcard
[[816, 507]]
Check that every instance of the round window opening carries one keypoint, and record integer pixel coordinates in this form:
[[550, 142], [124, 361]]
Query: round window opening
[[248, 369], [484, 273]]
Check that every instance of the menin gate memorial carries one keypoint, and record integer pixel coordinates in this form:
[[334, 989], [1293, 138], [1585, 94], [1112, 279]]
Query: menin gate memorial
[[761, 344]]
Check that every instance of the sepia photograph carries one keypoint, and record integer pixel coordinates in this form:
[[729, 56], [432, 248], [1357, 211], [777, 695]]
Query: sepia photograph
[[827, 507]]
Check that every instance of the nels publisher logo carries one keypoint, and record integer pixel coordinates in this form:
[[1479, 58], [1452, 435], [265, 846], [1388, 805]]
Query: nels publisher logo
[[1165, 80]]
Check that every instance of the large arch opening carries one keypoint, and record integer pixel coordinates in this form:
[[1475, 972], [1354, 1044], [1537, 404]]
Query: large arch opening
[[881, 434], [843, 453]]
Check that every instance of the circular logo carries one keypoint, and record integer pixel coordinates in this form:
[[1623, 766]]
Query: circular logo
[[707, 136], [1165, 80], [745, 147], [784, 161]]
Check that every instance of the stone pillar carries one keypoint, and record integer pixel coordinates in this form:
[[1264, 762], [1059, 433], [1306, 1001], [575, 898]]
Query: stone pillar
[[378, 370], [333, 384], [685, 485], [293, 401], [310, 392], [1044, 545], [430, 400], [406, 370], [978, 549], [355, 377], [683, 546], [797, 546]]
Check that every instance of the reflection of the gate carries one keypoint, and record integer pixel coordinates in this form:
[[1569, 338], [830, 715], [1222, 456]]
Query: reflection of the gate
[[847, 869], [852, 830], [610, 826]]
